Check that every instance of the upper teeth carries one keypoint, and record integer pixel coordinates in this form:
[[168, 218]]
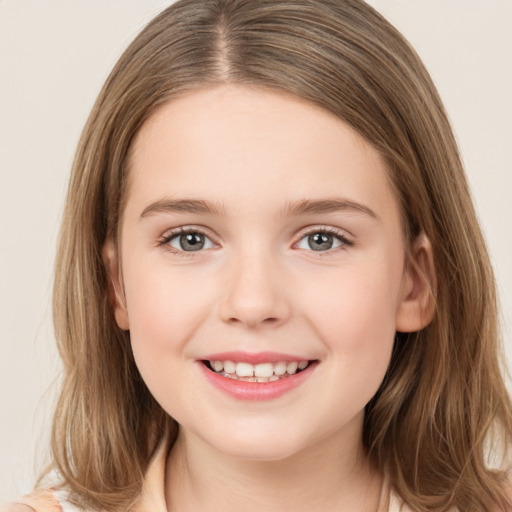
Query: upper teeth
[[258, 370]]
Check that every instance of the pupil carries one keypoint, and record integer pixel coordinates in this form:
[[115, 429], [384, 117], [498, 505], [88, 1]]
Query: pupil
[[192, 241], [320, 241]]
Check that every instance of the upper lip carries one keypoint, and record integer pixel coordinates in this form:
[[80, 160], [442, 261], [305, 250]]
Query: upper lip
[[253, 357]]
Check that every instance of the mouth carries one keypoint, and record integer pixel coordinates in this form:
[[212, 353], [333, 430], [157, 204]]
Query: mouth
[[260, 376], [262, 372]]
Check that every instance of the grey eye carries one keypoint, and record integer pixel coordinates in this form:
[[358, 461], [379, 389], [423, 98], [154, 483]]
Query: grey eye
[[189, 242], [321, 241]]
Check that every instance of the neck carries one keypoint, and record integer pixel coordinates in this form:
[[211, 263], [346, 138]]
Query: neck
[[332, 475]]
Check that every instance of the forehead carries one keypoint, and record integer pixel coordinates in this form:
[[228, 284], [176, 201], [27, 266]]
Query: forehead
[[251, 148]]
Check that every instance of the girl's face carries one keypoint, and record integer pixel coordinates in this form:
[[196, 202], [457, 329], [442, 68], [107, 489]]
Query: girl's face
[[261, 233]]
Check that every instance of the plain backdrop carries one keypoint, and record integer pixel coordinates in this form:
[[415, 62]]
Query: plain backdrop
[[54, 57]]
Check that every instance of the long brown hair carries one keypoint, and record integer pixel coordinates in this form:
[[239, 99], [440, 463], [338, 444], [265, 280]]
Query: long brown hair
[[430, 425]]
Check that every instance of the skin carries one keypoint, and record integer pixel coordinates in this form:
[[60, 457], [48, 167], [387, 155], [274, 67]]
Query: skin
[[257, 285]]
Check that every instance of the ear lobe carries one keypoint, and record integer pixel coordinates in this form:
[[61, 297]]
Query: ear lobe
[[417, 302], [116, 291]]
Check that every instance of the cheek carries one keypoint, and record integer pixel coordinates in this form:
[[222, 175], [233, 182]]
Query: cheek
[[353, 301], [354, 314], [164, 311]]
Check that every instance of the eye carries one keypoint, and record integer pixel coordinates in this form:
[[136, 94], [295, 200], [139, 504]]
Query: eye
[[322, 240], [188, 241]]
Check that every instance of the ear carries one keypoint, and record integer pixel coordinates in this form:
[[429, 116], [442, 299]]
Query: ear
[[417, 300], [110, 257]]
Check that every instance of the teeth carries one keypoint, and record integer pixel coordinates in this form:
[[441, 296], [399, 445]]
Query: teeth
[[229, 367], [263, 372], [291, 368], [280, 368], [244, 369]]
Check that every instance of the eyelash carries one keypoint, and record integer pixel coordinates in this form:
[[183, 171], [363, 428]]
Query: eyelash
[[345, 242], [164, 241]]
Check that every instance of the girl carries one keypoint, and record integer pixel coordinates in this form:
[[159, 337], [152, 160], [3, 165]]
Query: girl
[[271, 290]]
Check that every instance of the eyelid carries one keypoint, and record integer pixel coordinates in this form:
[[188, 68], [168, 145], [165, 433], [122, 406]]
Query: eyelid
[[342, 235], [170, 234]]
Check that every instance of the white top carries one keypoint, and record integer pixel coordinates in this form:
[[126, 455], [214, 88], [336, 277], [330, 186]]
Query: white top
[[62, 498]]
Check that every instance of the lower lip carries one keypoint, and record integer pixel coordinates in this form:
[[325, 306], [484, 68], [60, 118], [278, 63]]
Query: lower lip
[[243, 390]]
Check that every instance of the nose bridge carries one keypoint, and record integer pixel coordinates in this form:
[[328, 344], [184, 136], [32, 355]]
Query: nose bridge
[[254, 293]]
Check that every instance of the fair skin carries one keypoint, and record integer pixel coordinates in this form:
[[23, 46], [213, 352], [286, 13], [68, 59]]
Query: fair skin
[[301, 252]]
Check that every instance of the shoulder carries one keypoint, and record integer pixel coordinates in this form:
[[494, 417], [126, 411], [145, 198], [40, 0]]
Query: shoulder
[[41, 500], [15, 507]]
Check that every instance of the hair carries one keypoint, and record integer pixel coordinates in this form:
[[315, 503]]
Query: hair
[[443, 406]]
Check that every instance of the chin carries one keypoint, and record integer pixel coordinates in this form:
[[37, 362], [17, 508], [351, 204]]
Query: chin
[[256, 444], [262, 452]]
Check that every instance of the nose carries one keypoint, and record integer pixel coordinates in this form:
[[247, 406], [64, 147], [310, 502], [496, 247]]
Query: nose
[[255, 294]]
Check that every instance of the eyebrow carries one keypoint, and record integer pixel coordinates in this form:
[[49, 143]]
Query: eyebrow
[[198, 206], [294, 208], [333, 205]]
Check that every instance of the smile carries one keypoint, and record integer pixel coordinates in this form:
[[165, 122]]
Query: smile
[[262, 376], [262, 372]]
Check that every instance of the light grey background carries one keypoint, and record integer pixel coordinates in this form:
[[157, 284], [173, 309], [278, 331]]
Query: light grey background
[[54, 57]]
